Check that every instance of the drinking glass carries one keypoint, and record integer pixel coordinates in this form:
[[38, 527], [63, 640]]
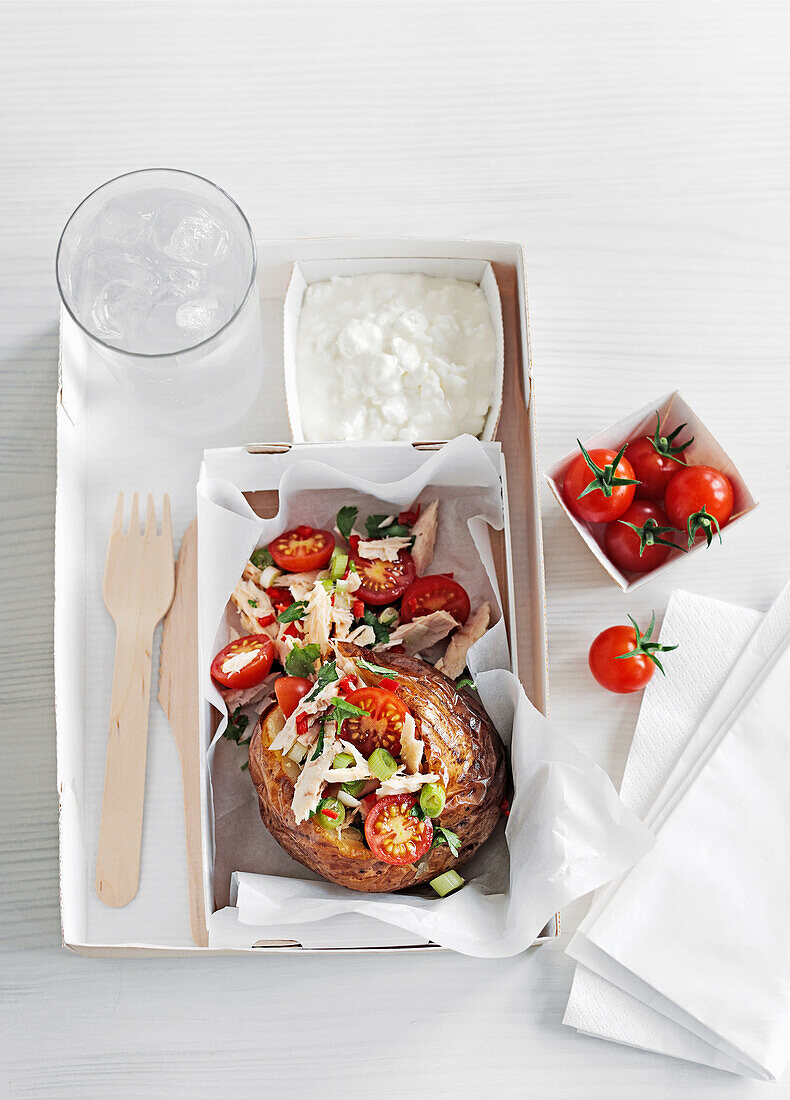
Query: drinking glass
[[157, 268]]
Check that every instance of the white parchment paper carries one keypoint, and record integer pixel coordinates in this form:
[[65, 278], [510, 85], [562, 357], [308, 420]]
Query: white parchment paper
[[567, 832]]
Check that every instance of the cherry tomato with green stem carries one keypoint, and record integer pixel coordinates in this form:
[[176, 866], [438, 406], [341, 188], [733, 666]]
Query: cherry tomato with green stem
[[699, 500], [599, 485], [641, 539], [623, 660], [656, 459]]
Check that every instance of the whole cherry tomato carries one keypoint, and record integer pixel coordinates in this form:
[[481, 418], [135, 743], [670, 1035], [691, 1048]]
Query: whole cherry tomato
[[699, 500], [622, 659], [599, 485], [244, 662], [289, 690], [640, 540], [302, 549], [656, 459]]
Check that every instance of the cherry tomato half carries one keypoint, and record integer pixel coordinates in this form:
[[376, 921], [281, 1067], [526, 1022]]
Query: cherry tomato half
[[434, 593], [383, 581], [595, 507], [289, 690], [621, 677], [653, 470], [694, 488], [622, 543], [383, 724], [302, 549], [393, 835], [244, 662]]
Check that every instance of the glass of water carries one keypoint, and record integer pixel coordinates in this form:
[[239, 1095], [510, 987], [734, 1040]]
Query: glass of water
[[157, 268]]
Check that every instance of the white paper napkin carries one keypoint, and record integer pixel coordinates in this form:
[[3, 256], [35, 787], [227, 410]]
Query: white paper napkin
[[568, 831], [698, 932]]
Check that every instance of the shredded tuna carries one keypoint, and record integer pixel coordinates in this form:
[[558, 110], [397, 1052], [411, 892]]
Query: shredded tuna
[[424, 533], [252, 604], [249, 697], [405, 784], [382, 549], [363, 635], [410, 746], [287, 735], [454, 661], [318, 620], [308, 787], [421, 633]]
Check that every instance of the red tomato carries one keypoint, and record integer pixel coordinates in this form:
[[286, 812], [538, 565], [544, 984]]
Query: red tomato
[[280, 598], [383, 581], [289, 690], [623, 544], [393, 835], [653, 469], [383, 724], [408, 519], [610, 497], [434, 593], [624, 674], [302, 549], [693, 489], [254, 668]]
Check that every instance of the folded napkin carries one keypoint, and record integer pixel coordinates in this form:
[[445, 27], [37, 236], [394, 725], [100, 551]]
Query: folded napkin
[[687, 953]]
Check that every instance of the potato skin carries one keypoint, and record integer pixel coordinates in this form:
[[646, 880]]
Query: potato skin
[[461, 746]]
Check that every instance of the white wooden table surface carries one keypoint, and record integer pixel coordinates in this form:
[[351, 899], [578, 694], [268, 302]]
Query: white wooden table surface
[[640, 153]]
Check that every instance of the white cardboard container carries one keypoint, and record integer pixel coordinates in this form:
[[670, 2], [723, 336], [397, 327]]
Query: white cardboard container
[[105, 445], [705, 450], [315, 271]]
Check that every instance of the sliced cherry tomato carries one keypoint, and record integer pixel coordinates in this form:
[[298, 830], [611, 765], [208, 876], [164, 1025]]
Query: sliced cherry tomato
[[383, 581], [436, 592], [302, 549], [393, 835], [289, 690], [623, 544], [244, 662], [609, 497], [702, 495], [382, 726], [624, 674]]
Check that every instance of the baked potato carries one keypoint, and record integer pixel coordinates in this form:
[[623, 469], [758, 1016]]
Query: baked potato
[[459, 745]]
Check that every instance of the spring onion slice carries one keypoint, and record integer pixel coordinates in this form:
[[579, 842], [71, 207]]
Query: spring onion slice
[[448, 882], [432, 799], [388, 616], [382, 764], [337, 564], [343, 760], [297, 752]]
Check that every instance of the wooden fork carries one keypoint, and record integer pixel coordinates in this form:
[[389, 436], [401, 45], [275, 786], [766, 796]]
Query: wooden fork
[[138, 589]]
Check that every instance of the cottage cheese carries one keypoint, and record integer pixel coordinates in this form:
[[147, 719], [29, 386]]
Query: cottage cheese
[[394, 357]]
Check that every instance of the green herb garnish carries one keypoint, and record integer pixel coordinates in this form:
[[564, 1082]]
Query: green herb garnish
[[381, 631], [342, 709], [234, 731], [319, 748], [295, 611], [392, 530], [346, 518], [466, 682], [301, 660], [327, 674], [252, 603], [377, 669], [445, 836], [261, 558]]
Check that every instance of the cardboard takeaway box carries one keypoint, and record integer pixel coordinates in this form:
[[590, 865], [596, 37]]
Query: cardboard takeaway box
[[98, 456]]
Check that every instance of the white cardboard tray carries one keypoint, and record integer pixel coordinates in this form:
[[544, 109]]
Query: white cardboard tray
[[105, 446]]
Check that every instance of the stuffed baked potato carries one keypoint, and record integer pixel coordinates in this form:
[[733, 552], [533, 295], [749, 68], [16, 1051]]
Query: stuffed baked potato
[[458, 745]]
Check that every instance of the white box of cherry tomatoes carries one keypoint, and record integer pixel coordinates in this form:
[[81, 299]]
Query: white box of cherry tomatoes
[[664, 508]]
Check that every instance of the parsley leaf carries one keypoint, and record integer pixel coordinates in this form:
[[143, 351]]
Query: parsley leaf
[[295, 611], [327, 674], [466, 682], [235, 729], [379, 671], [381, 631], [346, 518], [418, 812], [342, 709], [261, 557], [319, 748], [301, 660], [392, 530], [446, 836]]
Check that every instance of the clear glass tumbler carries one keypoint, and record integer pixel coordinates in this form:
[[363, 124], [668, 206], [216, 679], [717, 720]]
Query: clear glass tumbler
[[158, 270]]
